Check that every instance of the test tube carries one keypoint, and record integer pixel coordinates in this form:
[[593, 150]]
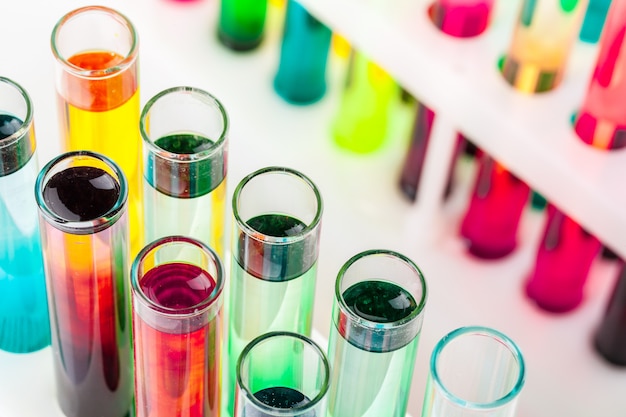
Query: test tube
[[282, 374], [275, 244], [593, 22], [601, 121], [301, 75], [609, 339], [185, 136], [23, 308], [461, 18], [474, 372], [377, 317], [564, 257], [177, 285], [241, 24], [541, 43], [97, 83], [360, 124], [82, 198], [491, 219]]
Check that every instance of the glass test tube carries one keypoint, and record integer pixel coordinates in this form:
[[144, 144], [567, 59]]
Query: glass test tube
[[241, 23], [601, 121], [489, 225], [474, 372], [461, 18], [377, 318], [282, 374], [82, 199], [610, 336], [594, 19], [564, 258], [177, 285], [24, 323], [360, 124], [301, 75], [97, 84], [541, 43], [275, 244], [185, 136]]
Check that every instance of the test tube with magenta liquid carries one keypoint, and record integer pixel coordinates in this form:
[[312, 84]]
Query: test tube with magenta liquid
[[461, 18]]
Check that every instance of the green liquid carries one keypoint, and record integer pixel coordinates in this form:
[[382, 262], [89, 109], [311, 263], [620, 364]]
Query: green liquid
[[258, 305], [366, 383], [184, 143]]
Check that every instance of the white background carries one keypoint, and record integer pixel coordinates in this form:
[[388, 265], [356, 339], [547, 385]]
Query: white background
[[363, 207]]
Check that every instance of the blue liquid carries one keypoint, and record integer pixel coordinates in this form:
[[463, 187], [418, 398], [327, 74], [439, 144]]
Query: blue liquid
[[301, 76], [24, 323], [594, 20]]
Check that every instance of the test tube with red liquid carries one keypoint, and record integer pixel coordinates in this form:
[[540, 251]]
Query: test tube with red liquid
[[177, 285], [601, 121], [490, 223], [564, 258], [82, 198], [461, 18]]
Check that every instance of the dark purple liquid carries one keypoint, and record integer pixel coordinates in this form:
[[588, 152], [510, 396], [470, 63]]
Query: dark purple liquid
[[81, 193], [610, 337]]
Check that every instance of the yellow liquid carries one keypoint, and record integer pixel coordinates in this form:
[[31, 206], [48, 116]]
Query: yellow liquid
[[115, 134]]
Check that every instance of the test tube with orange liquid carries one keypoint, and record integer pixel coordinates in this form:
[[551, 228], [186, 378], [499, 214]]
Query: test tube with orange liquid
[[97, 83]]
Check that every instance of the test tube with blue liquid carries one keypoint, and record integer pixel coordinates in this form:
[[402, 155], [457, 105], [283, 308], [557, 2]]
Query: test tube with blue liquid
[[24, 323]]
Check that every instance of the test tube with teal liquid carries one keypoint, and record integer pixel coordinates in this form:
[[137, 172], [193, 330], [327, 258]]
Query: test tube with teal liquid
[[377, 317], [593, 23], [301, 76], [24, 323]]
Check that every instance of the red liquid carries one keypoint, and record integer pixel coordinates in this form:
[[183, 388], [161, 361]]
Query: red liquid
[[491, 221], [461, 19], [177, 368], [562, 265]]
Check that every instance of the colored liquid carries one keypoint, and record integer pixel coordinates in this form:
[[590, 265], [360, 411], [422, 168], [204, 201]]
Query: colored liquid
[[541, 44], [563, 261], [24, 323], [281, 398], [360, 124], [461, 18], [242, 23], [9, 125], [610, 336], [258, 304], [489, 226], [102, 115], [186, 199], [593, 22], [365, 383], [301, 76], [87, 280], [601, 121], [177, 368]]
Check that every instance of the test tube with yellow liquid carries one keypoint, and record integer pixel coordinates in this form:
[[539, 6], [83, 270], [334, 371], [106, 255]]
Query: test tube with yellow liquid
[[97, 84], [541, 43]]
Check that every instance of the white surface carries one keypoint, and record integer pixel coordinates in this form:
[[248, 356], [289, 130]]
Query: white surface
[[363, 208]]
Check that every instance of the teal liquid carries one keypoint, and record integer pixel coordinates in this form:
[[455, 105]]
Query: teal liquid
[[257, 305], [24, 325], [301, 76], [185, 199], [366, 383]]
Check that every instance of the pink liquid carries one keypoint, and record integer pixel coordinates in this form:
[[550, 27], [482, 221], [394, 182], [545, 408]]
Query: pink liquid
[[563, 261], [461, 18], [601, 121], [177, 369], [490, 224]]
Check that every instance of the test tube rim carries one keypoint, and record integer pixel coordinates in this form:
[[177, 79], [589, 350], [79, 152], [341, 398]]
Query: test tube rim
[[26, 123]]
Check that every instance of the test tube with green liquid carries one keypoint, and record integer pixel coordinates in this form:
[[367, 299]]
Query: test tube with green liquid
[[360, 124], [241, 23]]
